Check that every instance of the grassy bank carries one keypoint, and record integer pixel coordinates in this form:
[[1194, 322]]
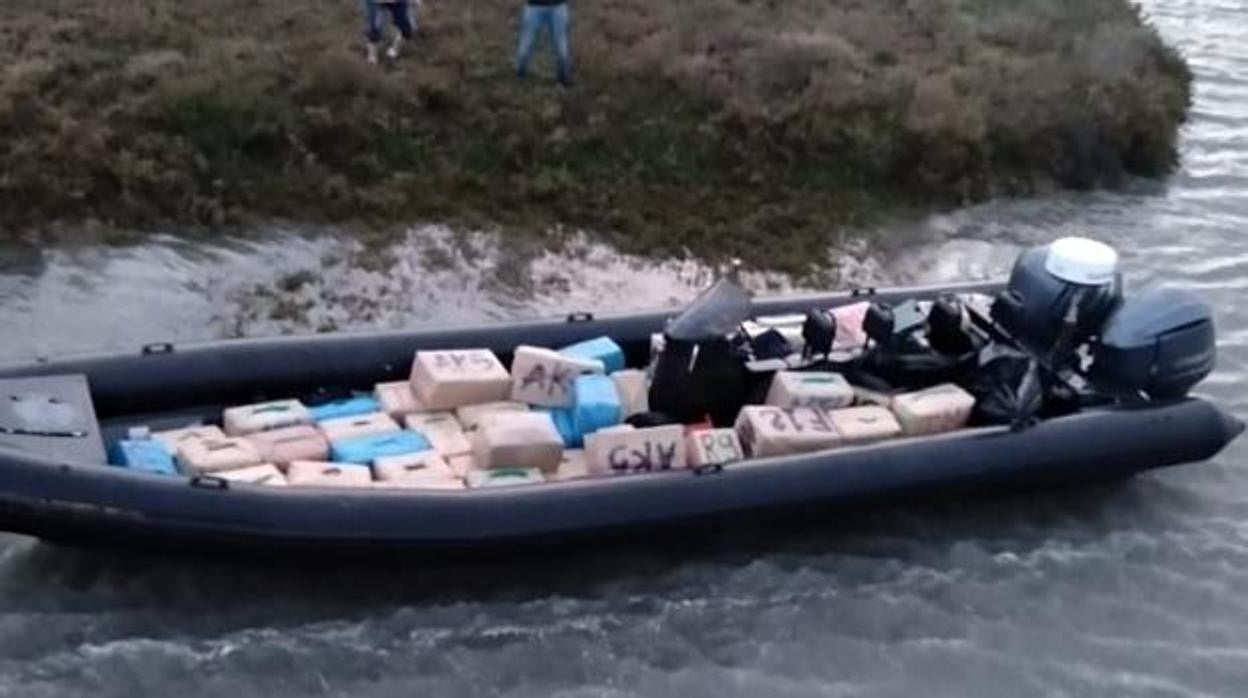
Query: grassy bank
[[755, 128]]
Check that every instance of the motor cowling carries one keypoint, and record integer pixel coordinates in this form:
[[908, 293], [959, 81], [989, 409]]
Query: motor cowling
[[1047, 280], [1160, 342]]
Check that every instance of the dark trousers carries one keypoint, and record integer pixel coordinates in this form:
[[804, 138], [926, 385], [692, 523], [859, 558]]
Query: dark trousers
[[400, 14]]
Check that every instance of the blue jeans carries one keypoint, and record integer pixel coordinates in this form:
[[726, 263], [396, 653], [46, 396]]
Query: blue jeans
[[400, 14], [555, 19]]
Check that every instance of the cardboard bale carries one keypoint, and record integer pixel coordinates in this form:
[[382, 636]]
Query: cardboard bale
[[397, 399], [444, 380], [713, 447], [636, 450], [427, 482], [518, 440], [470, 416], [819, 389], [215, 455], [504, 477], [573, 466], [865, 424], [419, 464], [265, 416], [545, 378], [282, 446], [304, 473], [174, 438], [266, 474], [462, 465], [360, 425], [936, 410], [633, 390], [443, 431], [766, 430]]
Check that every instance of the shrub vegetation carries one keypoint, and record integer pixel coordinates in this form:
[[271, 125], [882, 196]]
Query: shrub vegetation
[[756, 128]]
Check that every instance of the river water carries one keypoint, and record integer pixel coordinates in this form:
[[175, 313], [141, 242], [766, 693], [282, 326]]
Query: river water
[[1135, 589]]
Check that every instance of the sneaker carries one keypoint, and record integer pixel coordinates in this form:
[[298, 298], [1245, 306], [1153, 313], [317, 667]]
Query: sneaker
[[371, 56], [393, 52]]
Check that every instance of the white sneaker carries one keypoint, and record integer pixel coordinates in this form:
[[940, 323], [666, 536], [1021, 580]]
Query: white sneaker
[[393, 52], [372, 54]]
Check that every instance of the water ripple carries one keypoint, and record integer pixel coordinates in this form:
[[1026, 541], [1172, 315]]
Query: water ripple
[[1140, 589]]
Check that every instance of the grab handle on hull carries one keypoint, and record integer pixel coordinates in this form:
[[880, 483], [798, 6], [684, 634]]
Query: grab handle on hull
[[157, 348], [210, 482]]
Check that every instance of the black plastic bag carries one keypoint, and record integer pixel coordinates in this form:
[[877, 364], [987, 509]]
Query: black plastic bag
[[695, 379], [1012, 388], [701, 371]]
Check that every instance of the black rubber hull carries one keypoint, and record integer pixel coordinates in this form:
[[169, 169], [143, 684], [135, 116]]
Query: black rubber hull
[[87, 503]]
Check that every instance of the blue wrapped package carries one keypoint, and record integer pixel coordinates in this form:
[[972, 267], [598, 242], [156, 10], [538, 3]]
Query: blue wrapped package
[[603, 349], [144, 455], [596, 404], [363, 450], [565, 424], [348, 407]]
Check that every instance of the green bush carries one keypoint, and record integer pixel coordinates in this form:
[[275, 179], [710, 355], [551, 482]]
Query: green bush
[[754, 128]]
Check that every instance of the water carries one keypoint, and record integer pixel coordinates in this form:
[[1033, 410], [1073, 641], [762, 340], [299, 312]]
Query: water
[[1135, 589]]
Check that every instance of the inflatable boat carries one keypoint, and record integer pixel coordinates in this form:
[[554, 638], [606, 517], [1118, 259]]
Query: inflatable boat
[[56, 483]]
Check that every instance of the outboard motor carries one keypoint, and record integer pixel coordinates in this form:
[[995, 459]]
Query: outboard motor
[[1060, 295], [1160, 342]]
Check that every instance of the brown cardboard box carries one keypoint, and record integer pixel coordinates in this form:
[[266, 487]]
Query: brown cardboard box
[[866, 424], [443, 431], [398, 399], [445, 380], [266, 474], [174, 438], [281, 446], [933, 411], [343, 428], [215, 455], [504, 477], [518, 440], [713, 447], [411, 465], [470, 416], [544, 377], [819, 389], [304, 473], [264, 416], [766, 430], [636, 450], [573, 466]]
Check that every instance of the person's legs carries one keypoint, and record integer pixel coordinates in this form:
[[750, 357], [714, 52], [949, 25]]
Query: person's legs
[[400, 12], [372, 30], [558, 23], [530, 21]]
